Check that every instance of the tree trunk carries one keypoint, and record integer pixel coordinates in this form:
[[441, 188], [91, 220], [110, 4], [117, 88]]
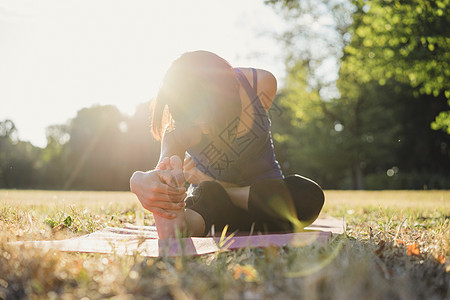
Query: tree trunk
[[357, 176]]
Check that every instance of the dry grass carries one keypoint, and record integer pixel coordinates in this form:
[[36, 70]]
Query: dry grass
[[397, 246]]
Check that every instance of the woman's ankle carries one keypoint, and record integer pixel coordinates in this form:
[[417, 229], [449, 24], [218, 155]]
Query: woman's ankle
[[171, 228]]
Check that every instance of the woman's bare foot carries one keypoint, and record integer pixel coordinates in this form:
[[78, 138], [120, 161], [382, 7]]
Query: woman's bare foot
[[168, 228]]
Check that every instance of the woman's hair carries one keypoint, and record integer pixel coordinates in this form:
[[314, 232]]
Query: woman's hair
[[199, 85]]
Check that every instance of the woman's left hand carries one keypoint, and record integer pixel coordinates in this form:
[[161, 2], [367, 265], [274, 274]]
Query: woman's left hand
[[192, 174]]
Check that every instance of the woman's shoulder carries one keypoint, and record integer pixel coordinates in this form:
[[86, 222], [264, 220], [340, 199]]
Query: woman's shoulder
[[266, 84]]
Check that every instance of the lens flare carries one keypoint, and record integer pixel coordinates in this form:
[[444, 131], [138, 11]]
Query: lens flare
[[286, 210]]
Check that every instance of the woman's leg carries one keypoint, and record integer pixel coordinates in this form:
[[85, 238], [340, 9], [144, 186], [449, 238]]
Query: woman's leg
[[269, 205], [289, 204], [308, 197], [279, 205], [239, 196], [210, 204]]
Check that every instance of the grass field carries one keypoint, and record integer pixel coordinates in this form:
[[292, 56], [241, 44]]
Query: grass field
[[396, 246]]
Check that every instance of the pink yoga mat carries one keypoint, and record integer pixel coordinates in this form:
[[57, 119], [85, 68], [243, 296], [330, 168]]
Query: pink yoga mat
[[144, 240]]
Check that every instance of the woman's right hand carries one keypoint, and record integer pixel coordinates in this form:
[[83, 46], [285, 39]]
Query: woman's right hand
[[158, 192]]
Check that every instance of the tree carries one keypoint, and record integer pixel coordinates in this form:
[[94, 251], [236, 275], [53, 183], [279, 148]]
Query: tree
[[53, 167], [18, 160], [373, 134], [405, 41], [317, 34], [304, 137], [398, 51], [106, 147], [143, 151], [8, 130], [92, 153], [99, 149]]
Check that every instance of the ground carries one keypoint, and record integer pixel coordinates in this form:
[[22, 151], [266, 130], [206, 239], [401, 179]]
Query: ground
[[396, 246]]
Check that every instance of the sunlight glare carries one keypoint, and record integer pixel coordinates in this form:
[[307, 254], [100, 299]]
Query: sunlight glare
[[58, 56]]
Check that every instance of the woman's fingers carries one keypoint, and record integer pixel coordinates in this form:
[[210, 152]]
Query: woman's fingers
[[191, 177], [187, 160], [163, 196], [169, 197], [161, 212], [168, 205], [189, 164], [167, 189], [179, 178], [161, 200], [177, 170], [168, 178]]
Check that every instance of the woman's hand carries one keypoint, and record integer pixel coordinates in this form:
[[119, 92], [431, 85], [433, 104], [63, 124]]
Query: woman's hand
[[192, 174], [159, 191]]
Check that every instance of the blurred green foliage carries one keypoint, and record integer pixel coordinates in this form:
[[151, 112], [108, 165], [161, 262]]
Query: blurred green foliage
[[375, 133]]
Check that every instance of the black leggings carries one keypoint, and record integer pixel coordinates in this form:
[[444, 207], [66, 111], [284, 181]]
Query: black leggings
[[274, 205]]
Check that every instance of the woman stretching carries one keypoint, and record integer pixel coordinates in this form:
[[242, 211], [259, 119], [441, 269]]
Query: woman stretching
[[214, 117]]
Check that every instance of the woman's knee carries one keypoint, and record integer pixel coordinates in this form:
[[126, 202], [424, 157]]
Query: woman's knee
[[270, 198], [207, 199], [307, 196], [272, 206], [211, 201]]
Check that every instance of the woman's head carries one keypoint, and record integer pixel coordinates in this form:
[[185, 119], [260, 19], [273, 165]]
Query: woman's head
[[199, 86]]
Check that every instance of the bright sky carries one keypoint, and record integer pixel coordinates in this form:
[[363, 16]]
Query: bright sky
[[59, 56]]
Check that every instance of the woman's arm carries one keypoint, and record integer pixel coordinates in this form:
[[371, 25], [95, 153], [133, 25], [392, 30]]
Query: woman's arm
[[173, 148], [177, 141], [194, 176]]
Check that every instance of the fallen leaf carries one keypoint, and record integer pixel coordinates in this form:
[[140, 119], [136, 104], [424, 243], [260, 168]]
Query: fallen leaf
[[412, 249], [441, 259], [237, 272], [58, 228], [250, 274]]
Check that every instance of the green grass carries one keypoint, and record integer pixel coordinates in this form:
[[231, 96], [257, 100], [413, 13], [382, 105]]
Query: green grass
[[396, 246]]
